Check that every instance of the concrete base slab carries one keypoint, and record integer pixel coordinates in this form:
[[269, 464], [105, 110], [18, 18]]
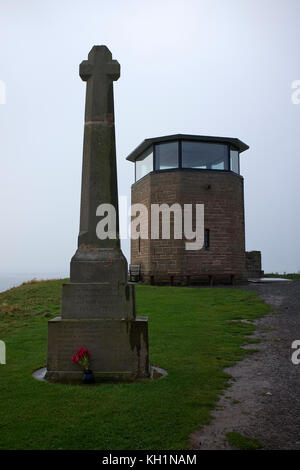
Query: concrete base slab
[[155, 373], [269, 279]]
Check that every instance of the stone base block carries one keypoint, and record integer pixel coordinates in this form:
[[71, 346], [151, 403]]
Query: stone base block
[[119, 348], [90, 264], [98, 301]]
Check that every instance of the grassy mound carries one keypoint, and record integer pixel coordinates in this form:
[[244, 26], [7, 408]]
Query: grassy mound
[[191, 335]]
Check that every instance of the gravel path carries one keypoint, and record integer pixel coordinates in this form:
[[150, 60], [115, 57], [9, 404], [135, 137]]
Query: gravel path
[[263, 401]]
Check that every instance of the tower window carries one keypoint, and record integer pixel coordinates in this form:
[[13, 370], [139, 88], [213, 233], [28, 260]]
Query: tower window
[[204, 155], [234, 160], [166, 156], [206, 239], [144, 164]]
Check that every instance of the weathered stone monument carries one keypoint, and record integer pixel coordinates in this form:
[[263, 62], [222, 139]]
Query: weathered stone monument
[[98, 305]]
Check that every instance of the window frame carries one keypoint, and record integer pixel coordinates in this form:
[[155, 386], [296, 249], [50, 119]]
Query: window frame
[[227, 160], [232, 147], [156, 144], [153, 146]]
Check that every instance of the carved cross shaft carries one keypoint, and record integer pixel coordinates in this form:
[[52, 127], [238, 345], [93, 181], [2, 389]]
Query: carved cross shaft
[[99, 71], [99, 171]]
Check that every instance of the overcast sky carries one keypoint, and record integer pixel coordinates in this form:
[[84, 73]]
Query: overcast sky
[[211, 67]]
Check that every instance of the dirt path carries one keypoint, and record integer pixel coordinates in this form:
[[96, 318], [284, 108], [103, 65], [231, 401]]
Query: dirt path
[[263, 401]]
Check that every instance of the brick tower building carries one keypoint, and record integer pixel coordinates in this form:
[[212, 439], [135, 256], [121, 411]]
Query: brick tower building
[[191, 169]]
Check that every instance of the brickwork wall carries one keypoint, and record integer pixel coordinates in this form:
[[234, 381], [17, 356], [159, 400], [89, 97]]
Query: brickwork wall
[[140, 249], [222, 194]]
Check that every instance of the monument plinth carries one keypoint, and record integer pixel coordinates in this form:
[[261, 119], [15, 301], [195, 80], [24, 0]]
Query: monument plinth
[[98, 305]]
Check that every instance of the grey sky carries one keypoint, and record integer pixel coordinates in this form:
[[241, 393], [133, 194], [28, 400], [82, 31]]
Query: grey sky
[[212, 67]]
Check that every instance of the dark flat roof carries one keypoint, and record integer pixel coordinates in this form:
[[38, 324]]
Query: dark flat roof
[[205, 138]]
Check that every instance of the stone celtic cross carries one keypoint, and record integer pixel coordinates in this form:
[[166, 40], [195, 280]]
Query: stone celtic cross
[[98, 304], [99, 172], [99, 71]]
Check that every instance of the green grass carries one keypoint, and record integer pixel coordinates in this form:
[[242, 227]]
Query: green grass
[[191, 335], [237, 440], [292, 276]]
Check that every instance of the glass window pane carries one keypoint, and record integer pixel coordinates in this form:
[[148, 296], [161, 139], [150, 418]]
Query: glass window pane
[[144, 164], [166, 156], [234, 161], [204, 155]]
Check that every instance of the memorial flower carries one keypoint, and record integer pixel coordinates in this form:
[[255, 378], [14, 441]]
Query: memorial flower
[[82, 357]]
